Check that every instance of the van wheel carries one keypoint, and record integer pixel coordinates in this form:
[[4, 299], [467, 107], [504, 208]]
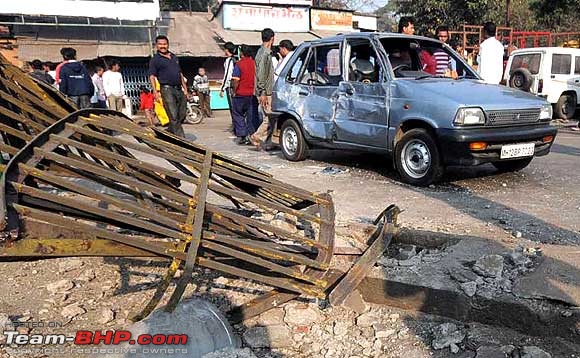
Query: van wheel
[[512, 165], [566, 107], [417, 158], [292, 142]]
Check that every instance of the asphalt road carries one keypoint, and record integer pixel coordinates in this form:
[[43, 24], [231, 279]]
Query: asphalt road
[[542, 202]]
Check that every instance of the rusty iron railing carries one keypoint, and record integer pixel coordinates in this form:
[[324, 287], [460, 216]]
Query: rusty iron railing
[[93, 183]]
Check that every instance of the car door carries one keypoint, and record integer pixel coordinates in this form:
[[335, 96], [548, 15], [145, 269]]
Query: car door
[[361, 117], [561, 73], [576, 77], [315, 87]]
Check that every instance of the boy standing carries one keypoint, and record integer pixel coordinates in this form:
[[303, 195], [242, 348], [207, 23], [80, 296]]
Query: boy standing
[[201, 86]]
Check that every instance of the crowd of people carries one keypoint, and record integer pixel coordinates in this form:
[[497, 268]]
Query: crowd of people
[[104, 89], [247, 83], [488, 57]]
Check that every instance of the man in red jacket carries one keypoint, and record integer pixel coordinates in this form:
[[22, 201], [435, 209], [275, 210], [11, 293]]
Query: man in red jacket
[[245, 104]]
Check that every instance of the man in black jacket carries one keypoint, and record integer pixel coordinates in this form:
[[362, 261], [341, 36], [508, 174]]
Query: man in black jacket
[[39, 73], [75, 81]]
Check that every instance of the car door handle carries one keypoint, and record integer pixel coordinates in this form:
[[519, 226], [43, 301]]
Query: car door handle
[[577, 81], [303, 92], [552, 76]]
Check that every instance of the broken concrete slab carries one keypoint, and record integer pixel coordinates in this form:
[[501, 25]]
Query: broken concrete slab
[[556, 278], [429, 287], [489, 266]]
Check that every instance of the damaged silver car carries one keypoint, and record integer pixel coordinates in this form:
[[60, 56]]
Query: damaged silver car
[[374, 92]]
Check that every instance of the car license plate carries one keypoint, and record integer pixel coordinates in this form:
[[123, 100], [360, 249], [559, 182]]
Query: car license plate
[[517, 150]]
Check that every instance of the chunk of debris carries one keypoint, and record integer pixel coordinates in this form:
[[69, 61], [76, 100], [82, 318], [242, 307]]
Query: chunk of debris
[[470, 288], [534, 352], [278, 336], [447, 334], [490, 352], [489, 266], [407, 252], [333, 171], [298, 314], [60, 286], [72, 310], [70, 264]]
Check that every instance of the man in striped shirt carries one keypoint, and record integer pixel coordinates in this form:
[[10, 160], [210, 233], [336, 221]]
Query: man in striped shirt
[[441, 57]]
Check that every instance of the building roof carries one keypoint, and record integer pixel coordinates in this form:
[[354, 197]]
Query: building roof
[[196, 34], [253, 38], [44, 43], [193, 34]]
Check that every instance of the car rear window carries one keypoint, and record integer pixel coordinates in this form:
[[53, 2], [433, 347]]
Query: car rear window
[[561, 64], [530, 61]]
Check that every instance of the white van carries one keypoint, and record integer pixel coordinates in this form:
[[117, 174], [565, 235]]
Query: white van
[[549, 72]]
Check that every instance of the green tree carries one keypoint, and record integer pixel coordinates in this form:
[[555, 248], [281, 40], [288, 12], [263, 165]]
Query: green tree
[[557, 15]]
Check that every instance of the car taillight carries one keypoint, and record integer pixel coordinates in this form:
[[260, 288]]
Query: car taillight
[[540, 86]]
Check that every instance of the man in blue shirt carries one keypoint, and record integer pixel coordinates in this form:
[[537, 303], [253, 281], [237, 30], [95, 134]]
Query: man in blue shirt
[[164, 68]]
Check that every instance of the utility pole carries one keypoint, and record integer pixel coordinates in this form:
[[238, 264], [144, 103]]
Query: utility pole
[[508, 13]]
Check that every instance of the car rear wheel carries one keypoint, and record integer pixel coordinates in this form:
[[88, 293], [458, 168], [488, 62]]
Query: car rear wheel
[[417, 158], [565, 107], [292, 142], [512, 165]]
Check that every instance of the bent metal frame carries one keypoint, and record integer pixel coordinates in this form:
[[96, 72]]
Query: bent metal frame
[[94, 183]]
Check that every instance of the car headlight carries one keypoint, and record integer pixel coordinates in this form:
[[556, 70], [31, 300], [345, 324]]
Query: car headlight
[[546, 113], [469, 117]]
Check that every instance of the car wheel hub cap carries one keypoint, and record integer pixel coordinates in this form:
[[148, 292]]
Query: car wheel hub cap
[[416, 159], [290, 140]]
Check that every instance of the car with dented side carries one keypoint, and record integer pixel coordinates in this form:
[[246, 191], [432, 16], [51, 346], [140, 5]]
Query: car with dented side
[[371, 92]]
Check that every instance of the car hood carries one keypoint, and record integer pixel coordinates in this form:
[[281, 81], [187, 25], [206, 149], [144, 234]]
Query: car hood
[[467, 93]]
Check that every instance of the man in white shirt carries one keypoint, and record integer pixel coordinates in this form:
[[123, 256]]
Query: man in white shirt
[[114, 86], [229, 63], [490, 56], [286, 49]]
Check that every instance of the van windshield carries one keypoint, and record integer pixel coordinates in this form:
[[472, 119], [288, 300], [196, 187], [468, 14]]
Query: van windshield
[[418, 59]]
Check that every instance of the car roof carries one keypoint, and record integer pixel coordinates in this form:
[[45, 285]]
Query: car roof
[[564, 50], [381, 35]]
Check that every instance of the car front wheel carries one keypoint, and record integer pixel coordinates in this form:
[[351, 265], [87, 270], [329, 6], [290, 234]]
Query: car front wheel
[[417, 158], [292, 142], [512, 165]]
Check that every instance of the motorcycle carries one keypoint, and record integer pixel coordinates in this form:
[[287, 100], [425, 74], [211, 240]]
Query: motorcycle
[[194, 114]]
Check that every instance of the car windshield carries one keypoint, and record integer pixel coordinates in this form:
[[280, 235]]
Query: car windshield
[[419, 59]]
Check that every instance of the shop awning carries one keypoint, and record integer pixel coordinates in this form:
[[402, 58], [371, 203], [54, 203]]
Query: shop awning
[[49, 50], [44, 43], [193, 34], [253, 38]]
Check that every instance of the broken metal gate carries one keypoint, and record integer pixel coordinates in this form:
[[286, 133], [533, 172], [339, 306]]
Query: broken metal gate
[[95, 183]]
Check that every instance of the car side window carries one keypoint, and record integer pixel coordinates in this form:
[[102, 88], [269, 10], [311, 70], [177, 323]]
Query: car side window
[[323, 67], [561, 64], [577, 65], [363, 64], [531, 62], [297, 66]]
